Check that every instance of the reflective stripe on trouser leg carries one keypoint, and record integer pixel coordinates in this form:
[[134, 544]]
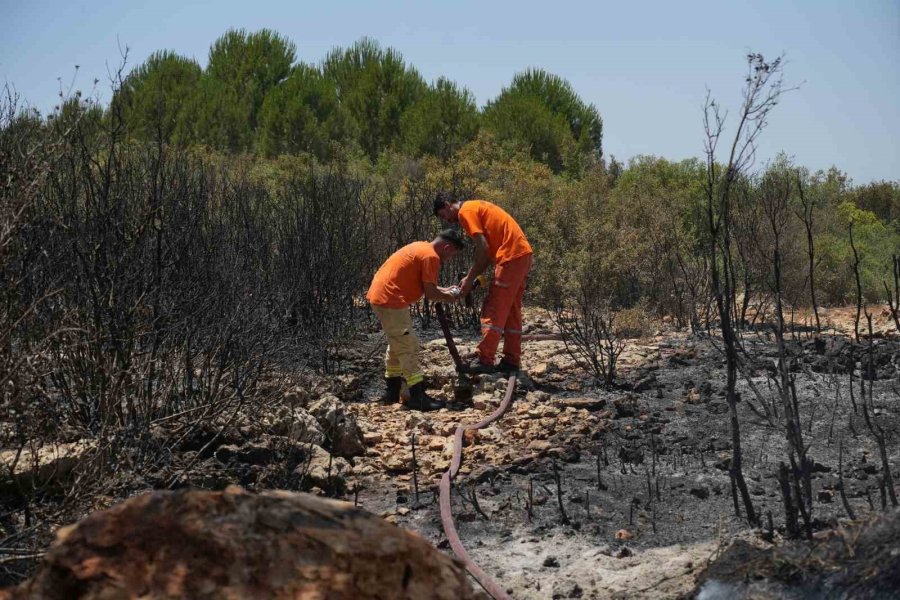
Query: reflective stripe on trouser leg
[[490, 339], [485, 328], [403, 346], [508, 284], [512, 338], [490, 331]]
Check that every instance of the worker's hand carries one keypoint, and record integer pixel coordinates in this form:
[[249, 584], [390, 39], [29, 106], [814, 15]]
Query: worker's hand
[[465, 286], [449, 294]]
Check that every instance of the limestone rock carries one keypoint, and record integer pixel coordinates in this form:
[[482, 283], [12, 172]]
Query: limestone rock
[[372, 438], [543, 411], [582, 403], [297, 396], [539, 445], [483, 401], [537, 397], [315, 468], [348, 387], [490, 435], [398, 463], [540, 369], [54, 462], [339, 425], [447, 429], [251, 454], [414, 419], [435, 344], [300, 426]]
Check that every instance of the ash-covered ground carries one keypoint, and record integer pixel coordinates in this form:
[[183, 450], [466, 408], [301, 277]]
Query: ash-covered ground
[[585, 492], [579, 491]]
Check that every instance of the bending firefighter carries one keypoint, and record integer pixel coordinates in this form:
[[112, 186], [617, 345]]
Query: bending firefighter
[[498, 239], [410, 273]]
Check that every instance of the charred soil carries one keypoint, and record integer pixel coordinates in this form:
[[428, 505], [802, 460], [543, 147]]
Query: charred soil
[[579, 491]]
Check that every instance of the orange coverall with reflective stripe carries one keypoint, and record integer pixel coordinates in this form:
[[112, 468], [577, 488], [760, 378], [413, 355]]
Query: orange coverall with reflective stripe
[[502, 312], [512, 256]]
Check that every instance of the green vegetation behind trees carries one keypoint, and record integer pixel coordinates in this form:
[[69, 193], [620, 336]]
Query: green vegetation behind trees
[[302, 115], [253, 96], [243, 68], [156, 96], [636, 230], [377, 89], [541, 111], [442, 122]]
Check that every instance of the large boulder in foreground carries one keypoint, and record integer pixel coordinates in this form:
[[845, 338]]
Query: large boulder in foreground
[[234, 544]]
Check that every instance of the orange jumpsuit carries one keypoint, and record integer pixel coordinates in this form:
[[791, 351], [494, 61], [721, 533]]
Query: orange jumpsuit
[[512, 256]]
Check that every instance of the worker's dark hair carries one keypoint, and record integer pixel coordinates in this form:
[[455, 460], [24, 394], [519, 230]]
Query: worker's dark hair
[[452, 236], [442, 199]]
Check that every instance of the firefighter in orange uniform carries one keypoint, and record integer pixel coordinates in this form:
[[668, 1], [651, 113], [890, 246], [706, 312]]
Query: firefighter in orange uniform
[[498, 239], [410, 273]]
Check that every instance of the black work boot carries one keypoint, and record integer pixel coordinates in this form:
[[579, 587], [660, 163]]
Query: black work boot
[[392, 390], [476, 367], [507, 367], [419, 400]]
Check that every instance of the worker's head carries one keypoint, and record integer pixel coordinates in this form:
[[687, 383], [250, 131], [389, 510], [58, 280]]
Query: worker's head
[[447, 244], [446, 206]]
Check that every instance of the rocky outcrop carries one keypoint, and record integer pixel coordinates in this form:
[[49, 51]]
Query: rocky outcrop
[[339, 425], [300, 426], [234, 544], [322, 469]]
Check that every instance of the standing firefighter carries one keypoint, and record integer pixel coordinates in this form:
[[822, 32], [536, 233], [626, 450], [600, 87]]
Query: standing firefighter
[[498, 239], [410, 273]]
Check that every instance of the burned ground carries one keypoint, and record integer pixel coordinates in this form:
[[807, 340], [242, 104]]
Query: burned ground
[[579, 491], [644, 503]]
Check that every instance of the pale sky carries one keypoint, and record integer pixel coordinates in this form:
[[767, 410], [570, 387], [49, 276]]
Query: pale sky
[[646, 66]]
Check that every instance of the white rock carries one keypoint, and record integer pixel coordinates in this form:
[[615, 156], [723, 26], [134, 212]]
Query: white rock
[[315, 467]]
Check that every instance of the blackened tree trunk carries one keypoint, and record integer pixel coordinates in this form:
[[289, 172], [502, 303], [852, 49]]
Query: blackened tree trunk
[[859, 296], [761, 93], [893, 298], [806, 215]]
